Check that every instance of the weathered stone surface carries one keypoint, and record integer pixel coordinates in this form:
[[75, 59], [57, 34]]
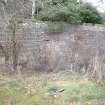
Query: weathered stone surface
[[75, 46]]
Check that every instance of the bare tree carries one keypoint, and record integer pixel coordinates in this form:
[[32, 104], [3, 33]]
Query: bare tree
[[18, 11]]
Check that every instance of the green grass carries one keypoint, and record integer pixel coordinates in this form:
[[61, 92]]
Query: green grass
[[33, 90]]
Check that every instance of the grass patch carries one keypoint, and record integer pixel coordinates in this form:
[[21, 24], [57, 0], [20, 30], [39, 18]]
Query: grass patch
[[33, 90]]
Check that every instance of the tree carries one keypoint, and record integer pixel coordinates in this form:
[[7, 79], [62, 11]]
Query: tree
[[71, 11], [90, 14], [103, 17], [17, 8], [2, 9], [13, 14], [60, 10]]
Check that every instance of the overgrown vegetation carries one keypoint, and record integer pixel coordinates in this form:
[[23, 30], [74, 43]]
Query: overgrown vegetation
[[90, 14], [70, 11]]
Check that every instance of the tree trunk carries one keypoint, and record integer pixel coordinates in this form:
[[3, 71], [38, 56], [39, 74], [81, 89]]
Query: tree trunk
[[33, 8], [14, 52]]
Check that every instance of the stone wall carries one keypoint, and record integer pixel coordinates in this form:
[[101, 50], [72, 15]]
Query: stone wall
[[43, 46]]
